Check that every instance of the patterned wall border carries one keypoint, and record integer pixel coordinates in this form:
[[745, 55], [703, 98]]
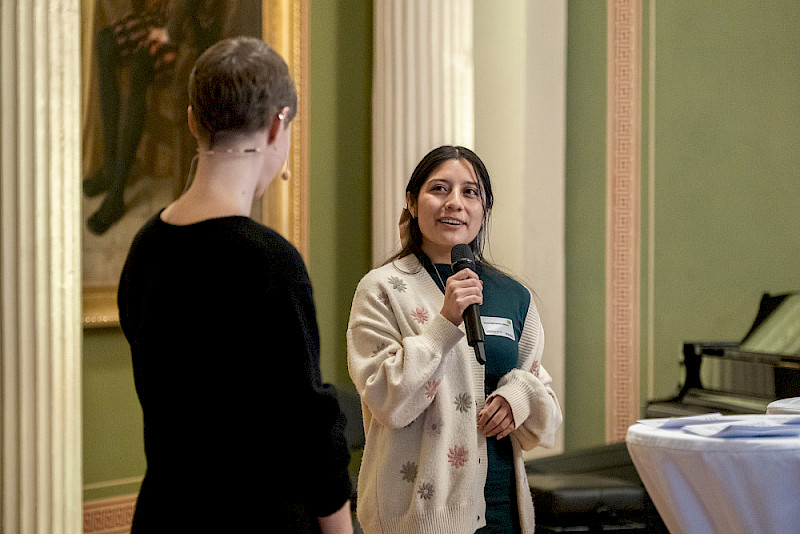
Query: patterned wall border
[[109, 516], [623, 231]]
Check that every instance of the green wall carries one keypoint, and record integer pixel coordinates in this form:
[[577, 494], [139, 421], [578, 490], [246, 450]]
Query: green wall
[[724, 114], [340, 161], [340, 80], [113, 449], [585, 224], [727, 131]]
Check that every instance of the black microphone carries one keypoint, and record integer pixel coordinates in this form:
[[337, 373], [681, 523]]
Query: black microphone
[[461, 257]]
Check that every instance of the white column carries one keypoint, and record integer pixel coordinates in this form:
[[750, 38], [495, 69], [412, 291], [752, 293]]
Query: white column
[[545, 177], [423, 97], [40, 336], [520, 117]]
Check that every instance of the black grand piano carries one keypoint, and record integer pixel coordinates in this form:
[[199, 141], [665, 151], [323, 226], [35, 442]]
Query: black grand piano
[[744, 376], [599, 490]]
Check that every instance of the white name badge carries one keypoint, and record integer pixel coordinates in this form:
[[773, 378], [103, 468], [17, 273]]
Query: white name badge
[[498, 326]]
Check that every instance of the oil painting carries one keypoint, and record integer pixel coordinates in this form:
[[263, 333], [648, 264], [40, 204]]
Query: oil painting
[[137, 147]]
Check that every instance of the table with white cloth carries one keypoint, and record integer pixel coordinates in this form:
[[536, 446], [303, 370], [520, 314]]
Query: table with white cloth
[[747, 482], [784, 406]]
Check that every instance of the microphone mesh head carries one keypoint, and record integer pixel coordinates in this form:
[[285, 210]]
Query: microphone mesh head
[[461, 256]]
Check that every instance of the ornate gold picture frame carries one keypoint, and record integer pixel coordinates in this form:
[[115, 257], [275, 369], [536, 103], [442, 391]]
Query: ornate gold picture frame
[[164, 147]]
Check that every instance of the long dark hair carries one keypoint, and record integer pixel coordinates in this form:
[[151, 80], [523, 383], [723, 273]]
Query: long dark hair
[[432, 161]]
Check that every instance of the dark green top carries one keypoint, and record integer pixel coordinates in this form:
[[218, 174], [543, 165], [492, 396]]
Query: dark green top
[[503, 297]]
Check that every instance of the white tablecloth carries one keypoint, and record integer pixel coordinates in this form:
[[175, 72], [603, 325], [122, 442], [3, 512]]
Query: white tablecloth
[[783, 406], [734, 485]]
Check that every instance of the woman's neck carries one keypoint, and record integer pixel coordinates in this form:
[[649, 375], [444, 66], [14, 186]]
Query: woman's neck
[[222, 186], [436, 256]]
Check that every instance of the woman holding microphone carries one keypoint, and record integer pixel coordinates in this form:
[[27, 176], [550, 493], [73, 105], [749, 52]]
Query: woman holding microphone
[[444, 432]]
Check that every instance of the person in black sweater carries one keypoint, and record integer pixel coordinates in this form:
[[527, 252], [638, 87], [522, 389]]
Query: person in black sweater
[[240, 432]]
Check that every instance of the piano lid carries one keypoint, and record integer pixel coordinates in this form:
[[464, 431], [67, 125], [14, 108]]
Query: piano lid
[[777, 328]]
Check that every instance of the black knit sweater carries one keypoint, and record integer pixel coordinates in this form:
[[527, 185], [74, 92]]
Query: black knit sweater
[[239, 430]]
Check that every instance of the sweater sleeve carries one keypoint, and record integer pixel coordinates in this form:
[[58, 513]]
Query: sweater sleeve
[[325, 422], [537, 413], [396, 348]]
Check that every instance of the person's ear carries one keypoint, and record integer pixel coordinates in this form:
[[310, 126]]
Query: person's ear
[[279, 122], [410, 205], [191, 119]]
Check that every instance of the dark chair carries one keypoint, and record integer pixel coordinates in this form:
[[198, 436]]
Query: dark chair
[[591, 490]]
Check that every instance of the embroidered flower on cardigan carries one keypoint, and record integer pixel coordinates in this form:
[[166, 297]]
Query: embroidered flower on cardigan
[[384, 298], [397, 283], [426, 491], [434, 425], [431, 387], [420, 315], [535, 368], [409, 471], [463, 402], [457, 456]]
